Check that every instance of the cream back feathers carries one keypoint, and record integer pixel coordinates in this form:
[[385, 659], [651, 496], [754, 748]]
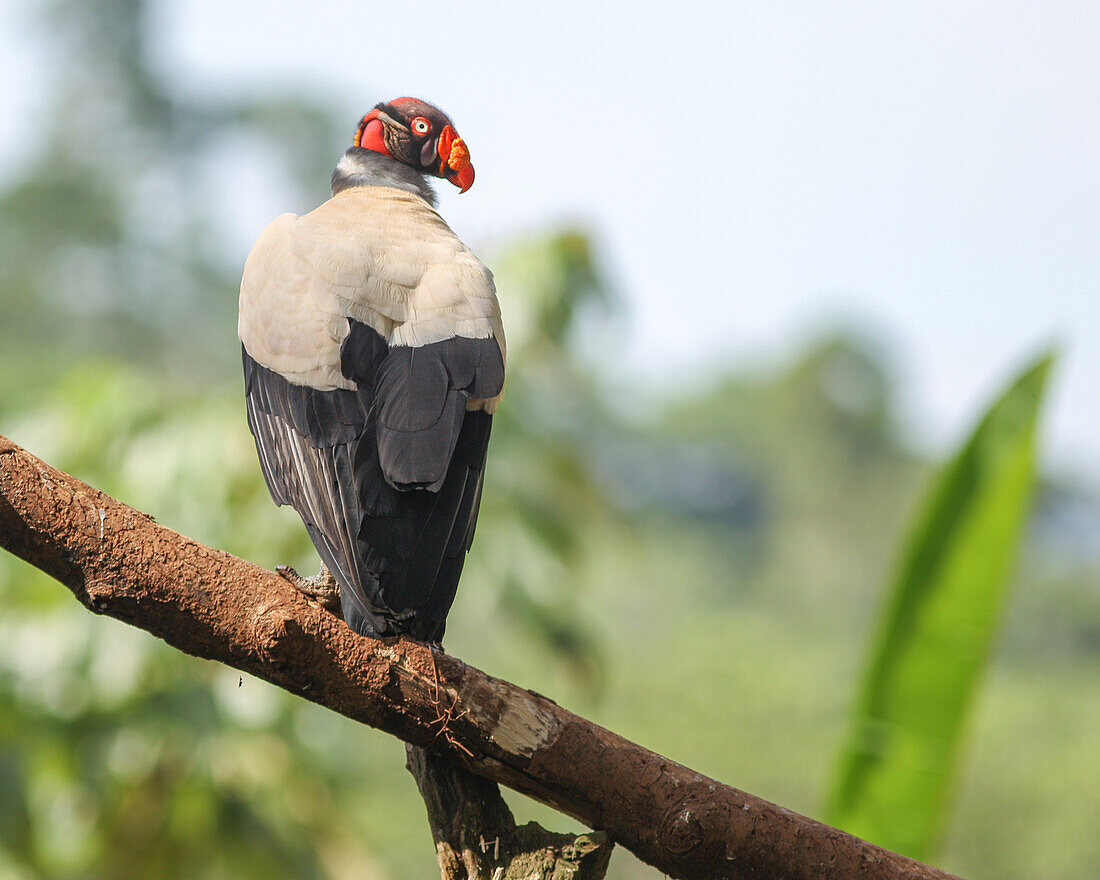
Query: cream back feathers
[[376, 254]]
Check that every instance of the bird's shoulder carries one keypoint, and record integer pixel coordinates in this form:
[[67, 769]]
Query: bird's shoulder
[[401, 234], [288, 319], [381, 248], [377, 255]]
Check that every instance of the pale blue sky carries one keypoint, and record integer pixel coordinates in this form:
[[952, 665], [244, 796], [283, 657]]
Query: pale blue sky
[[752, 170]]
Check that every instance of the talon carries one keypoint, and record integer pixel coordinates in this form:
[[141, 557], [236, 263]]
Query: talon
[[322, 586], [288, 573]]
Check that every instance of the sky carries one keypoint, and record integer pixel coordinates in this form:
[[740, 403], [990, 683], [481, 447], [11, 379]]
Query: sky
[[753, 172]]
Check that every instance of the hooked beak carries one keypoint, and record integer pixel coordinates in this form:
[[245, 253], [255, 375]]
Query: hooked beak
[[454, 159]]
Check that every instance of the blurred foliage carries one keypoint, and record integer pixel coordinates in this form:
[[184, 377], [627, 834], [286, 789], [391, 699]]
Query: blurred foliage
[[114, 238], [943, 611], [700, 581]]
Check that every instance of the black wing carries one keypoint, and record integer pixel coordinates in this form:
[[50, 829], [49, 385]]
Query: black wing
[[386, 477]]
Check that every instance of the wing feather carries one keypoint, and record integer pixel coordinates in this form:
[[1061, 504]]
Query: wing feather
[[373, 359], [390, 505]]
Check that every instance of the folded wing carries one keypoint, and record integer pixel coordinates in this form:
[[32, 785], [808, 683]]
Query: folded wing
[[377, 443]]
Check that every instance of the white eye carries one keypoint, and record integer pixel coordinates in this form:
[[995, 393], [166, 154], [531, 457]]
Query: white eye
[[420, 125]]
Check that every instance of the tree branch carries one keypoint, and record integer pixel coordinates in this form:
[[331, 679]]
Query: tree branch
[[119, 562], [476, 835]]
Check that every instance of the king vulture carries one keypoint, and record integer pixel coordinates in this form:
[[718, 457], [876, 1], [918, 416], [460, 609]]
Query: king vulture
[[373, 361]]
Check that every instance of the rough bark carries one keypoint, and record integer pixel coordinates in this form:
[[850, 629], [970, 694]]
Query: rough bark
[[476, 837], [119, 562]]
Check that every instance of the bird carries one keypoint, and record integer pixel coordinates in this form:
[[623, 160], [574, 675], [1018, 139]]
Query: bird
[[374, 359]]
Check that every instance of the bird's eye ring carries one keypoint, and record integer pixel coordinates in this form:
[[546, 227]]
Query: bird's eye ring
[[420, 125]]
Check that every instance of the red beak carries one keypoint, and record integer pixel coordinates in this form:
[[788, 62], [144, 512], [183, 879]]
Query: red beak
[[454, 159]]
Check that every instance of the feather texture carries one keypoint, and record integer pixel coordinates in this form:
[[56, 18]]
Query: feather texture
[[376, 254], [373, 359], [391, 511]]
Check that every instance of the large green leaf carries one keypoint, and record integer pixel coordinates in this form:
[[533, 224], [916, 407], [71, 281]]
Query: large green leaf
[[942, 615]]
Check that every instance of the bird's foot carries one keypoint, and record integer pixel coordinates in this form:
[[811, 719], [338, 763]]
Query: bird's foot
[[322, 586]]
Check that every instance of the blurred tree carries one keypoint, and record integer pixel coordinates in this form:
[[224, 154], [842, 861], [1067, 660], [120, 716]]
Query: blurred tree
[[113, 239], [119, 758]]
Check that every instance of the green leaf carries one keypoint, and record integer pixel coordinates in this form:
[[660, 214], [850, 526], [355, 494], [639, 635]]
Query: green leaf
[[943, 612]]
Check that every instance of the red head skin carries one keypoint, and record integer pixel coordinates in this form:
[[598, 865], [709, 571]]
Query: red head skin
[[420, 135]]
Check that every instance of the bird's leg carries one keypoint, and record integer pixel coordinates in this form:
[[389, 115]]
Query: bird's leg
[[322, 586]]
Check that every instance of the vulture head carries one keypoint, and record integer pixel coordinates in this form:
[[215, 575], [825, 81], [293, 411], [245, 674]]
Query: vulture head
[[420, 136]]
